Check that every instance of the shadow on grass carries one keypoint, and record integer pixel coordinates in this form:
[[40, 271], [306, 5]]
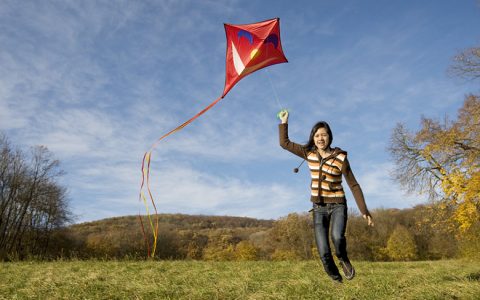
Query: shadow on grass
[[473, 276]]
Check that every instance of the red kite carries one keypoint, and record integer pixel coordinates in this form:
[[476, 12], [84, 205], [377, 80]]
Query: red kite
[[251, 47]]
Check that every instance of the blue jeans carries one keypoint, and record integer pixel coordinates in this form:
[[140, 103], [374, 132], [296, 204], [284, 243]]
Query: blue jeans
[[324, 215]]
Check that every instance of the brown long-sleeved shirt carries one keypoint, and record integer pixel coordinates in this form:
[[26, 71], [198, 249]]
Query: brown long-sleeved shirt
[[326, 185]]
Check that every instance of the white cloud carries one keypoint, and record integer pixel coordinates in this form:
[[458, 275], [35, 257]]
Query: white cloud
[[380, 190], [186, 189], [178, 188]]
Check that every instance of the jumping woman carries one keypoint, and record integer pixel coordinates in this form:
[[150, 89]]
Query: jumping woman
[[327, 165]]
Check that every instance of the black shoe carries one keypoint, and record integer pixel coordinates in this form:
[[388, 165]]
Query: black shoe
[[331, 268], [348, 269], [337, 278]]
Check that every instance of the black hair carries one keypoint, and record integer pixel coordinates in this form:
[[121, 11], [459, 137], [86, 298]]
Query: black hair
[[311, 144]]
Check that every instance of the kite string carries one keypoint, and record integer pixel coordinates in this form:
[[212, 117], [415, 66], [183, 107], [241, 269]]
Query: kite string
[[274, 90]]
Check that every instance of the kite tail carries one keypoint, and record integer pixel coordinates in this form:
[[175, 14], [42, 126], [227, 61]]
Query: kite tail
[[144, 199], [146, 182], [147, 243], [154, 230]]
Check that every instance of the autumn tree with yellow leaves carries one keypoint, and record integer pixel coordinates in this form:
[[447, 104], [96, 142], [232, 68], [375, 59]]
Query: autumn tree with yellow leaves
[[401, 245], [442, 159]]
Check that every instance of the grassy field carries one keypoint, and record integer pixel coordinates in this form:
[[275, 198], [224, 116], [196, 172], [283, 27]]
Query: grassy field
[[236, 280]]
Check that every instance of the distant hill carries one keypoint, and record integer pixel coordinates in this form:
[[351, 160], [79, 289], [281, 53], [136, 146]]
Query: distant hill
[[179, 235], [178, 221], [202, 237]]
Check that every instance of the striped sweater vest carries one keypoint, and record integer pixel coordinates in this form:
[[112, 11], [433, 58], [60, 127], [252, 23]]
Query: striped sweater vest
[[326, 186]]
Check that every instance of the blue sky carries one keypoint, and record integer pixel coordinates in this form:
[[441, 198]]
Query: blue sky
[[97, 82]]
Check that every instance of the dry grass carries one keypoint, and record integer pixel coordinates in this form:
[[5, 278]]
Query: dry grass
[[235, 280]]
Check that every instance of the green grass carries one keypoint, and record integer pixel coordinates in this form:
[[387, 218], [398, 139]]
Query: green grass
[[453, 279]]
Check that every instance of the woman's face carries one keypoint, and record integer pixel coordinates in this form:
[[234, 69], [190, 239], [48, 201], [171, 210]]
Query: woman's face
[[321, 138]]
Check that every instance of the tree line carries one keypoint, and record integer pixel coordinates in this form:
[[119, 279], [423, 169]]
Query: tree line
[[405, 234], [32, 203]]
